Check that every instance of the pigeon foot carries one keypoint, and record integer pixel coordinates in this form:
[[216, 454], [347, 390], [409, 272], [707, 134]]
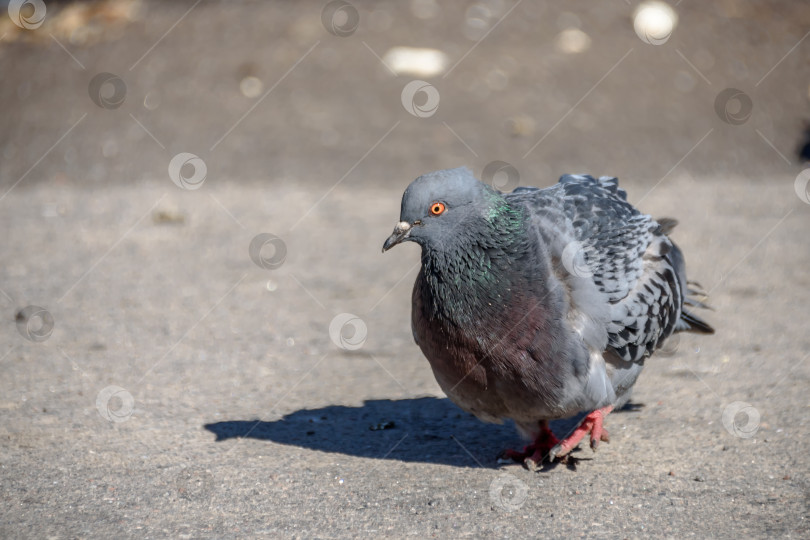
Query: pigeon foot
[[533, 454], [590, 424]]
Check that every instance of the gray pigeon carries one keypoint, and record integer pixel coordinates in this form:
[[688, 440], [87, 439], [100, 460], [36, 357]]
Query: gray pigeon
[[540, 304]]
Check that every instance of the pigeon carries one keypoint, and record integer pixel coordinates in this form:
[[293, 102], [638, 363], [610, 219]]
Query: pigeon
[[541, 304]]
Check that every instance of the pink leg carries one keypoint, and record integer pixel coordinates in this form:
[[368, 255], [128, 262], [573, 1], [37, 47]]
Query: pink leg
[[590, 424], [533, 454]]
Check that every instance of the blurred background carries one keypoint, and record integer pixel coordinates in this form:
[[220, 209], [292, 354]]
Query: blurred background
[[575, 78], [195, 195]]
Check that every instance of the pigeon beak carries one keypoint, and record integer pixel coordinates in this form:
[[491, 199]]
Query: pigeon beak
[[401, 232]]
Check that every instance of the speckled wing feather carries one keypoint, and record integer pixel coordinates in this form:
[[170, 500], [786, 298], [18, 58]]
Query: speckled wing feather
[[631, 259]]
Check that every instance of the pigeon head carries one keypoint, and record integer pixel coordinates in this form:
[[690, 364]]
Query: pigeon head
[[439, 206]]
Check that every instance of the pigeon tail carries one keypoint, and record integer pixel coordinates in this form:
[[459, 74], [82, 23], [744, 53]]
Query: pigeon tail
[[692, 323]]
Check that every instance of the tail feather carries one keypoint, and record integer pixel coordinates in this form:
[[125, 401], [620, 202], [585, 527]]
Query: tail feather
[[694, 302], [692, 323], [666, 224], [694, 295]]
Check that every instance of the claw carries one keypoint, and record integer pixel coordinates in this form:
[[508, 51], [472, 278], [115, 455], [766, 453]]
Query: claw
[[532, 455], [547, 447], [590, 424]]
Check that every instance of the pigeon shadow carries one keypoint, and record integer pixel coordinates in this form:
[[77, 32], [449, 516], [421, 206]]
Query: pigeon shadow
[[424, 430]]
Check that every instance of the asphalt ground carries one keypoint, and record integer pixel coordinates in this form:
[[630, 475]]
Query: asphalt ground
[[192, 386]]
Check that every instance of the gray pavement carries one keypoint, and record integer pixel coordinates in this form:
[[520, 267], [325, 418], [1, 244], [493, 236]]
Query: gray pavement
[[187, 391]]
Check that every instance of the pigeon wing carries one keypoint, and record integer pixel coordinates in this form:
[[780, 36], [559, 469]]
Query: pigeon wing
[[625, 253]]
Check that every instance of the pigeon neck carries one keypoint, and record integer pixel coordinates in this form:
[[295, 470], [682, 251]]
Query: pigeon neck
[[474, 275]]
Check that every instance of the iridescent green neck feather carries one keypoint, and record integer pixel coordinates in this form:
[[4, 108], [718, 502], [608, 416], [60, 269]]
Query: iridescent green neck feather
[[470, 275]]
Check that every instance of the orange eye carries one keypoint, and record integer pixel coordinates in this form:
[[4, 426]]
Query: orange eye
[[437, 208]]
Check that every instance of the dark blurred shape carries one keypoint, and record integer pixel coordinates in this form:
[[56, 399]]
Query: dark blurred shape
[[803, 149]]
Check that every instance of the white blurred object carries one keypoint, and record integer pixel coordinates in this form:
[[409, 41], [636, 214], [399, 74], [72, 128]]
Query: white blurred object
[[251, 86], [417, 62], [654, 22], [572, 41]]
